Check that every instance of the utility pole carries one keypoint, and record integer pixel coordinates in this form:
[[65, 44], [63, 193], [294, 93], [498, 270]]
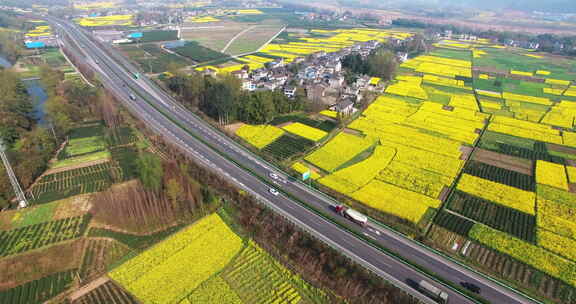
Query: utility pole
[[22, 202]]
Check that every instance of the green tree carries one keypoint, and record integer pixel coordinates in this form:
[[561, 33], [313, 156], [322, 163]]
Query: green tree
[[150, 170], [174, 191], [382, 64]]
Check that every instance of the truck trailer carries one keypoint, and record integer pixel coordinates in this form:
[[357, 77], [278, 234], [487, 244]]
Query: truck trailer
[[352, 215], [433, 292]]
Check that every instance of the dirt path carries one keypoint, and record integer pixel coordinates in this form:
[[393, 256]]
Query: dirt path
[[88, 288], [235, 37]]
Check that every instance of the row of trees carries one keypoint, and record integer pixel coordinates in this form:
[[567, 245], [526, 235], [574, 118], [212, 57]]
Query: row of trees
[[547, 42], [223, 100]]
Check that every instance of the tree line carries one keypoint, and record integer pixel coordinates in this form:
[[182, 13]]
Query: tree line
[[223, 100], [547, 42]]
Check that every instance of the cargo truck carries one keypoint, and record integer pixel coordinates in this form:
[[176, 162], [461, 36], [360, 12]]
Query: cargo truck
[[433, 292], [352, 215]]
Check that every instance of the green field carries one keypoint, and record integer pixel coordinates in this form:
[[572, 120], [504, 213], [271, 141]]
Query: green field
[[198, 53]]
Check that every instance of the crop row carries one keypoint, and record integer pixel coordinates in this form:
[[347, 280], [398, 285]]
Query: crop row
[[38, 291], [171, 269], [75, 172], [259, 278], [453, 223], [106, 293], [35, 236], [527, 153], [525, 252], [500, 175], [287, 146], [499, 193], [52, 195], [512, 221]]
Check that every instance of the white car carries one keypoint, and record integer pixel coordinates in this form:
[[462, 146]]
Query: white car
[[273, 191], [273, 175]]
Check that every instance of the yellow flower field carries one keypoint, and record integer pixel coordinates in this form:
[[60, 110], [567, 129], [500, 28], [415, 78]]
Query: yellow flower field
[[94, 5], [525, 252], [202, 19], [259, 136], [351, 178], [169, 270], [305, 131], [416, 179], [328, 113], [560, 245], [498, 193], [342, 148], [521, 73], [112, 20], [571, 174], [551, 174], [394, 200], [557, 82]]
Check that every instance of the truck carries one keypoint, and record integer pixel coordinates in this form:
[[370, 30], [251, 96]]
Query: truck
[[352, 215], [433, 292]]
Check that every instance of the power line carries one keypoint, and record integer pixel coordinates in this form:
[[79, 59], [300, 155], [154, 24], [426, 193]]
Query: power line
[[22, 201]]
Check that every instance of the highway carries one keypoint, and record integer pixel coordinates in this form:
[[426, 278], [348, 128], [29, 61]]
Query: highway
[[213, 149]]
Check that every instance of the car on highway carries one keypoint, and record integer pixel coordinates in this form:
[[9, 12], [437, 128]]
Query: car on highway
[[273, 175], [132, 97], [274, 191], [472, 287]]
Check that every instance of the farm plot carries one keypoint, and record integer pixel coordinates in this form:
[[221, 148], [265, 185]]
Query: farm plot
[[35, 236], [339, 150], [168, 271], [499, 193], [511, 221], [500, 175], [198, 53], [86, 144], [76, 181], [213, 37], [106, 293], [155, 60], [259, 136], [209, 263], [532, 255], [257, 278], [305, 131], [253, 39], [38, 291], [98, 255]]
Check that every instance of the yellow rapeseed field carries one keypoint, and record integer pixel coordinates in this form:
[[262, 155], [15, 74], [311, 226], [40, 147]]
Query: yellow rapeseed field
[[168, 271], [342, 148], [351, 178], [533, 255], [111, 20], [305, 131], [498, 193], [395, 200], [259, 136], [551, 174]]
